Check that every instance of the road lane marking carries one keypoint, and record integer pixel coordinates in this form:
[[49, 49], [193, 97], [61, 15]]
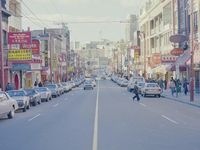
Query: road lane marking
[[143, 104], [169, 119], [34, 118], [56, 105], [95, 134]]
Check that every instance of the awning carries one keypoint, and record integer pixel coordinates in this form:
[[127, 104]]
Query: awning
[[162, 68], [172, 67], [182, 59]]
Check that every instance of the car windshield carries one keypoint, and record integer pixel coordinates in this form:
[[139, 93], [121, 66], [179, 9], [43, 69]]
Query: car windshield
[[152, 85], [88, 82], [41, 89], [141, 84], [16, 93], [30, 92], [51, 86]]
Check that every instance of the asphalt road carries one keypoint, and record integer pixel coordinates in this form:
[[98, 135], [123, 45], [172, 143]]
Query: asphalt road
[[105, 118]]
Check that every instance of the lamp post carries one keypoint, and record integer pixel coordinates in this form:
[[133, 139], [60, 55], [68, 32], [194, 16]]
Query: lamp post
[[1, 51], [144, 39], [192, 52]]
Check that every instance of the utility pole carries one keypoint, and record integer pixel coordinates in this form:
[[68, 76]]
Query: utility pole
[[145, 60], [1, 52], [192, 52]]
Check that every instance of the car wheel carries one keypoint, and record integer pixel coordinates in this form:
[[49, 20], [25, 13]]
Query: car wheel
[[40, 101], [11, 114], [24, 109], [28, 106], [35, 103]]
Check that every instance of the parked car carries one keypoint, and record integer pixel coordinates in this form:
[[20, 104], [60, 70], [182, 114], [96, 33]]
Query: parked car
[[88, 85], [7, 105], [123, 83], [60, 88], [151, 89], [132, 82], [35, 97], [45, 93], [140, 86], [66, 86], [54, 90], [21, 97]]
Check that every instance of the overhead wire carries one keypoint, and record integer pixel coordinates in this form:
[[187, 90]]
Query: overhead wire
[[28, 8], [23, 14], [56, 9]]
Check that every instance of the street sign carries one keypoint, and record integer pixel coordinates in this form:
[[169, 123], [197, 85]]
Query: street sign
[[177, 38], [177, 51]]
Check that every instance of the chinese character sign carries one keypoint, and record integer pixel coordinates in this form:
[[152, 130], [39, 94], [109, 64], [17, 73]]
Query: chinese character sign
[[19, 38], [20, 55], [34, 46]]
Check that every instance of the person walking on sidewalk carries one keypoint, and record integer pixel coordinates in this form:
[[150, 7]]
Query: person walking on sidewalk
[[136, 92], [172, 86], [185, 87]]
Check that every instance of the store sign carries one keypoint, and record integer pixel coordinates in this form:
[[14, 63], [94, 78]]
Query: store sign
[[19, 38], [46, 57], [62, 58], [177, 38], [20, 55], [168, 59], [17, 67], [156, 58], [177, 51], [34, 46]]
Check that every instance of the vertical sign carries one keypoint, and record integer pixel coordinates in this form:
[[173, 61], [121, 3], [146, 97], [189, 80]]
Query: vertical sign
[[46, 59]]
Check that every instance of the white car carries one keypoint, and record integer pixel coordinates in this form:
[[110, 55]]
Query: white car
[[45, 93], [88, 85], [22, 98], [7, 105], [151, 89], [132, 82]]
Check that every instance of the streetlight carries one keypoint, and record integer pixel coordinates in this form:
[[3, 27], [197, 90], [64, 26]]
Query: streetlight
[[142, 33], [1, 51], [192, 53]]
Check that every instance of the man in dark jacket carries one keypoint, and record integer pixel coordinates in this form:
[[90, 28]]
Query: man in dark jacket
[[136, 92]]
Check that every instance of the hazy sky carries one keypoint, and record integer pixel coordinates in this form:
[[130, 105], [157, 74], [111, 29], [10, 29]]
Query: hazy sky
[[52, 12]]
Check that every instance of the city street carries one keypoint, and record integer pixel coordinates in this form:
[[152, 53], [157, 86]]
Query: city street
[[105, 118]]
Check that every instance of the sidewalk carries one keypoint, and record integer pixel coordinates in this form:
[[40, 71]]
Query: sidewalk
[[182, 98]]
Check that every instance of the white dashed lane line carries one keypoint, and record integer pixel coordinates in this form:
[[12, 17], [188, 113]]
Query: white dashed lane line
[[34, 117], [143, 105], [169, 119], [56, 105]]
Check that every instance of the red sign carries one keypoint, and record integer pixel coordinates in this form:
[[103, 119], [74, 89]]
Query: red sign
[[19, 38], [177, 51], [35, 46], [62, 58]]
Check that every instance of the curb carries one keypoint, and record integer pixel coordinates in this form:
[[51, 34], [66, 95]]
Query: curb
[[174, 99]]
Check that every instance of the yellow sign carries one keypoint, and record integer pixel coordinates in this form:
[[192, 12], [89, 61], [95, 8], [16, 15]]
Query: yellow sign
[[21, 54]]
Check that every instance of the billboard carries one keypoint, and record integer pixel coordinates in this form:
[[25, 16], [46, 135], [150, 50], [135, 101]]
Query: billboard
[[34, 46], [20, 55], [19, 38]]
